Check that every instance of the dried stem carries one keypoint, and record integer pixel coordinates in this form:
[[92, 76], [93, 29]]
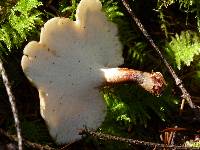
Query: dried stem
[[12, 103], [185, 94], [107, 137], [29, 144]]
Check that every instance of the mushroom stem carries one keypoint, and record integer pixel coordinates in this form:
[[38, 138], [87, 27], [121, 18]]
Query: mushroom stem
[[152, 82]]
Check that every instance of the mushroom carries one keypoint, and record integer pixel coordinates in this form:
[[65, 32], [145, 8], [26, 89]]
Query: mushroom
[[69, 63]]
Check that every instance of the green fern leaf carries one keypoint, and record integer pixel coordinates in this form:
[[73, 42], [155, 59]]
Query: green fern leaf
[[25, 6], [112, 9], [5, 36], [20, 23], [183, 48], [129, 104]]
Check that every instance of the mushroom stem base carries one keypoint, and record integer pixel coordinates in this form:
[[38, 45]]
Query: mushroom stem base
[[152, 82]]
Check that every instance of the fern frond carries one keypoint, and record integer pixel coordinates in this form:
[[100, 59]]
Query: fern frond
[[25, 6], [5, 36], [5, 6], [71, 9], [183, 48], [112, 9], [20, 23], [184, 5], [128, 104], [165, 3], [136, 54]]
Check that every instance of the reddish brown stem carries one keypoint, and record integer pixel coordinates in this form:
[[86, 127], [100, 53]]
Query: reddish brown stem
[[152, 82]]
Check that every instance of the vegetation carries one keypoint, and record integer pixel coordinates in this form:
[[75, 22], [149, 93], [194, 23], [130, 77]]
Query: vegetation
[[183, 48], [133, 113], [20, 22]]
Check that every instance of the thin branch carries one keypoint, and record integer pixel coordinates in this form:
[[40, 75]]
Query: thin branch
[[107, 137], [12, 103], [29, 144], [185, 94]]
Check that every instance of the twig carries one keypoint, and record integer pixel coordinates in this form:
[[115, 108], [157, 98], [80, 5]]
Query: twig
[[29, 144], [185, 94], [106, 137], [12, 103]]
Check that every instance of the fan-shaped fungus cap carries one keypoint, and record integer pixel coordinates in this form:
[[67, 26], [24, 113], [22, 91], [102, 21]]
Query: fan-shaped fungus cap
[[65, 67]]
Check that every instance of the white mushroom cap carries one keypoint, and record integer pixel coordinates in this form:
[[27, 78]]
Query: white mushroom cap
[[65, 66]]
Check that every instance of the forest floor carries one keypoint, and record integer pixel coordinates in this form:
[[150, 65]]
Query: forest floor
[[175, 131]]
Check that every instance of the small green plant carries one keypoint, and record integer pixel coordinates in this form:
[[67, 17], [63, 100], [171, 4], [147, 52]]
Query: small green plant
[[20, 23], [64, 8], [130, 105], [186, 6], [137, 54], [193, 144], [112, 9], [183, 48]]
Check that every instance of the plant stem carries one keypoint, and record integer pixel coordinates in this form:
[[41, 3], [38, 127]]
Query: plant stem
[[12, 103]]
